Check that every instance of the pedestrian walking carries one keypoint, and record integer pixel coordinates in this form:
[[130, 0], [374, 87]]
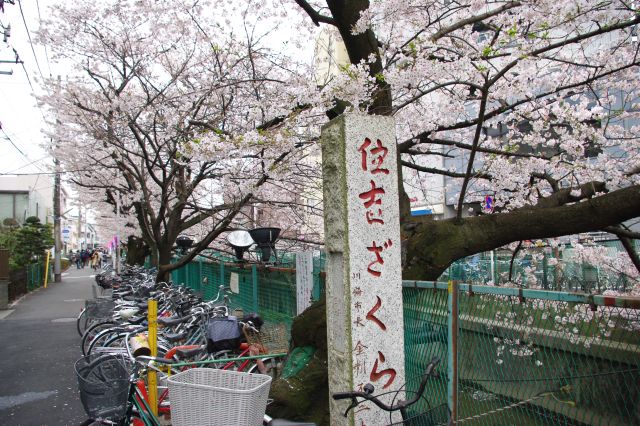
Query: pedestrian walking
[[95, 260], [85, 257], [78, 259]]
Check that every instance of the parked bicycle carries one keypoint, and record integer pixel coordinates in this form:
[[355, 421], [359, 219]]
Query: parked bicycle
[[401, 406], [112, 392]]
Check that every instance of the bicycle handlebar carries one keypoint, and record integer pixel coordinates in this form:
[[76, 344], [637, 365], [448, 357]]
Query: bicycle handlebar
[[368, 393]]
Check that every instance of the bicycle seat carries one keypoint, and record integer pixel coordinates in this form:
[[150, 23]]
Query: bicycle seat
[[176, 337], [172, 320], [189, 353]]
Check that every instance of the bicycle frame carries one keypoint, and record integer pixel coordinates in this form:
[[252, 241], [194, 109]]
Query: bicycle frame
[[245, 348], [139, 406]]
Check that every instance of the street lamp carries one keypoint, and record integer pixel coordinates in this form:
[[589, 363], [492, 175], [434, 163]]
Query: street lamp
[[265, 239], [184, 242], [240, 241]]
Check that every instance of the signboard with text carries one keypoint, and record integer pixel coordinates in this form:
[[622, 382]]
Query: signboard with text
[[304, 280]]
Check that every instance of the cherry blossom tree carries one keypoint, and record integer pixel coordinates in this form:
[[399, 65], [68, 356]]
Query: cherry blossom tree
[[184, 112], [172, 115], [537, 97], [175, 103]]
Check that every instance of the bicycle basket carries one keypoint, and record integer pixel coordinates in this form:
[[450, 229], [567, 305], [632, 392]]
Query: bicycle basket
[[272, 337], [214, 397], [99, 308], [103, 382]]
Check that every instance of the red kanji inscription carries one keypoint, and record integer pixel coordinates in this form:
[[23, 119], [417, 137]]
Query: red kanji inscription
[[379, 260], [371, 317], [376, 375], [371, 195], [372, 219], [378, 154]]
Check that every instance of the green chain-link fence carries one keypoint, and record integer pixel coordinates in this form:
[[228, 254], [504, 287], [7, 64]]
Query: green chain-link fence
[[526, 357], [269, 291], [541, 267]]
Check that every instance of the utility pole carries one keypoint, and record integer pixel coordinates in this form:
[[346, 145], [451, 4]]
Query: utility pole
[[118, 234], [80, 247], [57, 232]]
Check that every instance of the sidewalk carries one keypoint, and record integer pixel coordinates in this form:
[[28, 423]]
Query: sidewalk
[[39, 346]]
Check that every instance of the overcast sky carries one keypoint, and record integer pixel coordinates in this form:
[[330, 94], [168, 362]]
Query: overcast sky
[[21, 120]]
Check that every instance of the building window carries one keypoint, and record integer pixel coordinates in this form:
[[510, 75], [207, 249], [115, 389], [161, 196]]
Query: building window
[[14, 206]]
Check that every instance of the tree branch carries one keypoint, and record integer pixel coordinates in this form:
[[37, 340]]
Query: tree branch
[[631, 251], [623, 233], [315, 16], [434, 245], [480, 175], [473, 19]]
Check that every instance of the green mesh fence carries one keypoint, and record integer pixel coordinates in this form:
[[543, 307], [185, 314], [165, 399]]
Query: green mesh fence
[[540, 267], [425, 337], [269, 291], [35, 275], [527, 357]]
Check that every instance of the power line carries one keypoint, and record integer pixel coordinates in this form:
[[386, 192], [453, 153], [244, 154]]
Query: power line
[[30, 42], [26, 165], [6, 136], [46, 173], [25, 70], [26, 73], [46, 52]]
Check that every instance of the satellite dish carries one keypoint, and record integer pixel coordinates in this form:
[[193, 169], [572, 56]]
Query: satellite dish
[[266, 239], [240, 240]]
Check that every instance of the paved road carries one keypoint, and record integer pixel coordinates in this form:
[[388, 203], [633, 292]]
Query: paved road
[[38, 346]]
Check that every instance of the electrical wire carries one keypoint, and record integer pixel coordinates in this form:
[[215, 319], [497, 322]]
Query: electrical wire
[[29, 37], [6, 136], [26, 165], [46, 173], [46, 52]]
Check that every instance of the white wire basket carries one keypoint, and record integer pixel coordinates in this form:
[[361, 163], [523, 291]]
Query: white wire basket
[[214, 397]]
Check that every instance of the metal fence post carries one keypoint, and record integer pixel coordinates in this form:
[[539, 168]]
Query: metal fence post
[[199, 275], [254, 286], [452, 349], [545, 265], [221, 272]]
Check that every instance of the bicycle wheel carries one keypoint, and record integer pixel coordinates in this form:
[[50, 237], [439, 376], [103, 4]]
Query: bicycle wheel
[[81, 322], [92, 332], [107, 341]]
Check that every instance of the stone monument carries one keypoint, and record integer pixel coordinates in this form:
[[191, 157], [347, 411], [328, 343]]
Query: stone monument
[[365, 330]]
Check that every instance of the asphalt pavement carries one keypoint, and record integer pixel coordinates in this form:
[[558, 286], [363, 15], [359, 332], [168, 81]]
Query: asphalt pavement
[[38, 347]]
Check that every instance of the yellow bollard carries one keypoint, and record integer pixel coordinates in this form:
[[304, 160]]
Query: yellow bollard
[[46, 269], [152, 378]]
